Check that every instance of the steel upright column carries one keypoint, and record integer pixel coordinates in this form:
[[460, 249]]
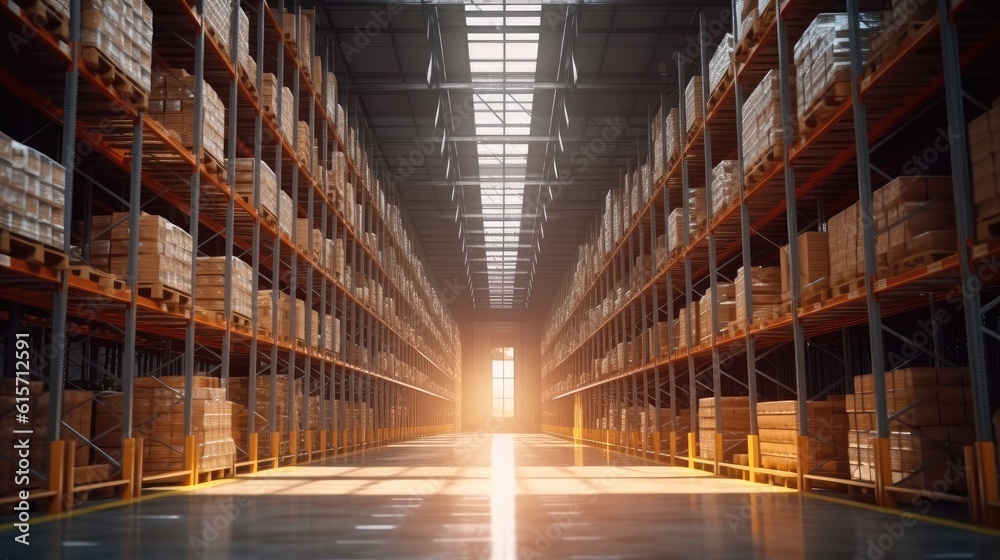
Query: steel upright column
[[787, 124], [883, 475], [231, 201], [713, 270], [129, 363], [751, 351], [199, 115], [688, 291], [971, 300], [57, 352], [255, 246], [669, 284], [276, 249]]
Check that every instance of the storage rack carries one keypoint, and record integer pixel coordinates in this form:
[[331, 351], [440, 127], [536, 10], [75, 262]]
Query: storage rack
[[962, 39], [137, 165]]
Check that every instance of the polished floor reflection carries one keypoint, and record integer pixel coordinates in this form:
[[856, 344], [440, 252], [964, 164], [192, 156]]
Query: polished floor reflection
[[499, 497]]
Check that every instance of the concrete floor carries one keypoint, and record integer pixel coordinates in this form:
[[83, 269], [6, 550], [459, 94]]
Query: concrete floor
[[499, 497]]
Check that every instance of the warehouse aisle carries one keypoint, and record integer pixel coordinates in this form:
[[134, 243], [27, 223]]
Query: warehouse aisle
[[499, 497]]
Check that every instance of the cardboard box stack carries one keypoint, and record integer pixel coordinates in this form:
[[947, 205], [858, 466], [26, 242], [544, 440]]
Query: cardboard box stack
[[171, 102], [268, 184], [763, 126], [304, 44], [696, 219], [286, 213], [933, 427], [164, 250], [658, 165], [218, 17], [777, 423], [726, 302], [694, 104], [984, 151], [266, 317], [682, 331], [725, 186], [823, 62], [244, 59], [915, 220], [672, 135], [304, 234], [766, 293], [158, 418], [269, 105], [814, 266], [211, 289], [304, 142], [734, 425], [239, 392], [32, 193], [122, 31]]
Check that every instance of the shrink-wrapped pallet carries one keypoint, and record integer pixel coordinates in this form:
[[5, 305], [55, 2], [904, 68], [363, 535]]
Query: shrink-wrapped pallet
[[672, 137], [243, 56], [164, 250], [269, 105], [694, 104], [763, 126], [171, 103], [304, 41], [122, 32], [268, 185], [823, 63], [721, 63], [268, 314], [32, 193], [984, 151], [725, 302], [286, 213], [725, 186]]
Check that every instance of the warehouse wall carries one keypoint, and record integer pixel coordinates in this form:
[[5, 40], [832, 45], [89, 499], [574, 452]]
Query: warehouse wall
[[478, 340]]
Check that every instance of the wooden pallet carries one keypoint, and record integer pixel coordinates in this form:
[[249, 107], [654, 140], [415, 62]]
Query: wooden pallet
[[823, 107], [101, 278], [214, 167], [31, 251], [115, 78], [917, 260], [240, 322], [42, 14], [250, 82], [855, 285], [163, 294], [758, 169]]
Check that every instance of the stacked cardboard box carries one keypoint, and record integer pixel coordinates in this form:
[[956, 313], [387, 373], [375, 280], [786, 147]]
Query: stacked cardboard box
[[239, 393], [304, 143], [211, 289], [899, 21], [721, 63], [726, 303], [32, 193], [765, 286], [814, 266], [158, 418], [694, 104], [304, 43], [725, 186], [304, 234], [823, 62], [171, 102], [122, 31], [846, 243], [683, 315], [734, 425], [330, 95], [269, 105], [934, 424], [658, 166], [286, 213], [164, 250], [915, 219], [268, 184], [827, 425], [984, 151], [763, 127], [267, 315]]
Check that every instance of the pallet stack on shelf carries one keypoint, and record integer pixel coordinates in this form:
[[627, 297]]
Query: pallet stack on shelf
[[827, 424], [984, 145], [33, 192], [814, 268], [733, 426]]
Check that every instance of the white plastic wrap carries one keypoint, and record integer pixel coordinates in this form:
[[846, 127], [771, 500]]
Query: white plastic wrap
[[721, 62], [823, 58]]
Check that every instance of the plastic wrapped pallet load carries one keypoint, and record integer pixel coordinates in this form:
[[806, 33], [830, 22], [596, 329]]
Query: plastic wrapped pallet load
[[122, 32], [32, 193], [164, 250], [823, 63], [721, 63], [172, 104], [814, 266], [915, 221], [984, 151], [268, 184], [243, 56], [726, 304], [725, 186], [269, 105], [763, 126], [694, 105]]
